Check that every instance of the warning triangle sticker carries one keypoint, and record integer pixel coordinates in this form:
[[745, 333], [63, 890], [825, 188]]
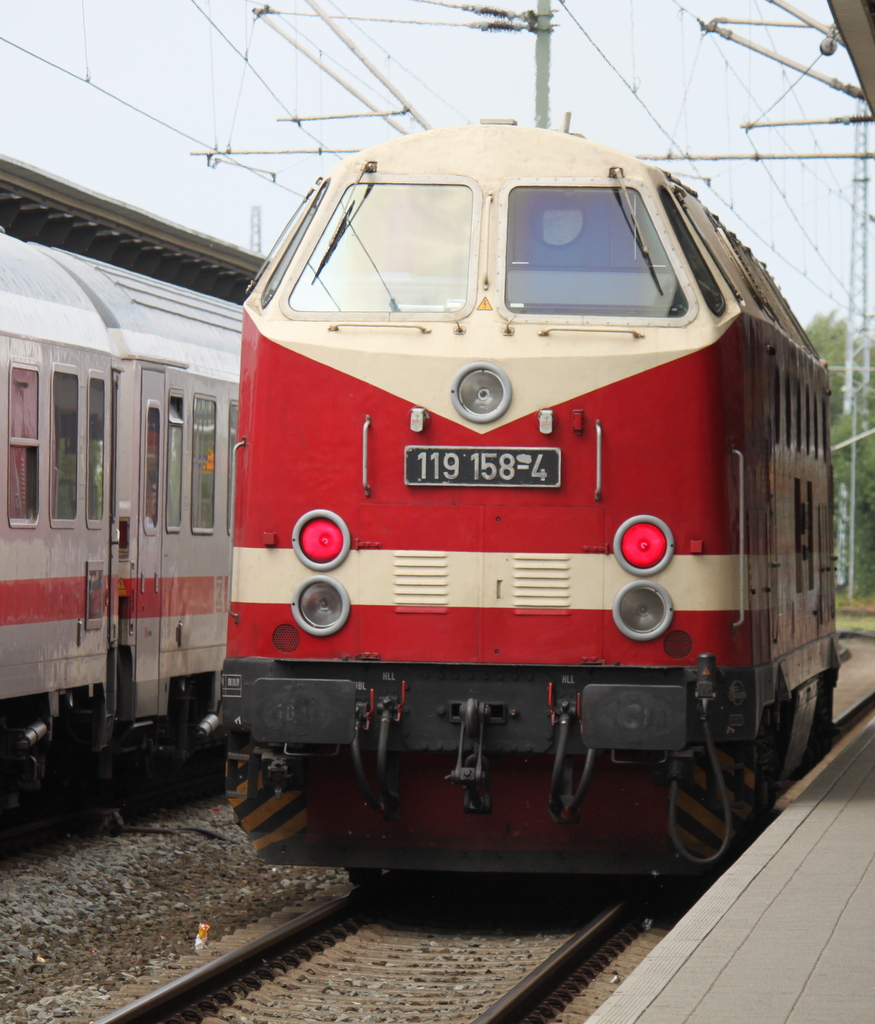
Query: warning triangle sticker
[[484, 304]]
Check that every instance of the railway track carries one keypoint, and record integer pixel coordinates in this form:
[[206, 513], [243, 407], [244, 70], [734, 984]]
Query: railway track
[[347, 957], [419, 969]]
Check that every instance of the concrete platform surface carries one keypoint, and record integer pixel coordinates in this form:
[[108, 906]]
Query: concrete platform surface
[[787, 934]]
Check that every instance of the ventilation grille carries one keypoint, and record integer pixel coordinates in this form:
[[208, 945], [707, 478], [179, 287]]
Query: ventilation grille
[[542, 581], [422, 578], [286, 638], [677, 644]]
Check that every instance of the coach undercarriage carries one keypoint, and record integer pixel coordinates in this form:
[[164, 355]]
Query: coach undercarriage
[[47, 739]]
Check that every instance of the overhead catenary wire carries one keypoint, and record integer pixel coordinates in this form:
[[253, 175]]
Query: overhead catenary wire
[[729, 203], [343, 117], [351, 89], [406, 69], [481, 26], [268, 175], [249, 65], [85, 44], [475, 9], [837, 192], [374, 70]]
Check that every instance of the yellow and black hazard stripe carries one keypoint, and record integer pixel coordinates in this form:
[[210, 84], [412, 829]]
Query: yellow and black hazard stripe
[[699, 809], [267, 820]]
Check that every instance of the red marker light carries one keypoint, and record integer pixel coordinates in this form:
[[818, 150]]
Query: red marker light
[[321, 540], [643, 545]]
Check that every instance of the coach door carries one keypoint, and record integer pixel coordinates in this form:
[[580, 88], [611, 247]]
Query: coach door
[[148, 628]]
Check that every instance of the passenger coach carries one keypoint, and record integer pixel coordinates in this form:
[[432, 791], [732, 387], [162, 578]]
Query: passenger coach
[[121, 410]]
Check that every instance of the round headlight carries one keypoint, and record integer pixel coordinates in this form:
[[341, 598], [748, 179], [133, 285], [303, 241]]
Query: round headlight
[[643, 611], [643, 545], [481, 392], [320, 605], [321, 539]]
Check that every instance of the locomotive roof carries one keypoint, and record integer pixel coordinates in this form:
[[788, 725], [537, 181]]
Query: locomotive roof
[[56, 296], [495, 151]]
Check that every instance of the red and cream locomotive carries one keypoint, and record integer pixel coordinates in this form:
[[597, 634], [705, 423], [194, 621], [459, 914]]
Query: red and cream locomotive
[[532, 549]]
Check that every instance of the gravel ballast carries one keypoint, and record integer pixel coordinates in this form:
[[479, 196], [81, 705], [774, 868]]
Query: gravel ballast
[[87, 914]]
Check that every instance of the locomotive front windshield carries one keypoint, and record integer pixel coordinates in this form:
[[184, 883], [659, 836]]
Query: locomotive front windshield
[[587, 251], [391, 248]]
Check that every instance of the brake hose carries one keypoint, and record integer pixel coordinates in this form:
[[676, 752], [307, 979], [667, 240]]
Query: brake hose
[[359, 770], [565, 813], [724, 796], [588, 770]]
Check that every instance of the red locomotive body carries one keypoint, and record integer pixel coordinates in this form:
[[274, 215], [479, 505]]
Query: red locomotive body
[[532, 551]]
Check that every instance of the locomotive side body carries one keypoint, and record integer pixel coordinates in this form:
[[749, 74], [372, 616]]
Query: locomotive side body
[[114, 601], [512, 510]]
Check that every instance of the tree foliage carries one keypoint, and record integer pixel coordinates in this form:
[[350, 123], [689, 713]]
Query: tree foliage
[[827, 333]]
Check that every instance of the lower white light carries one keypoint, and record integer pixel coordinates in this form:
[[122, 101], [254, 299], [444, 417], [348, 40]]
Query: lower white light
[[643, 610], [320, 605]]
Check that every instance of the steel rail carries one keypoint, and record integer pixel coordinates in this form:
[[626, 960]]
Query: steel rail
[[845, 720], [529, 993], [222, 972], [851, 716]]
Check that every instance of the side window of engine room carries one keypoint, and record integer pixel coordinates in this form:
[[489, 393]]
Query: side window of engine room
[[587, 251], [22, 493]]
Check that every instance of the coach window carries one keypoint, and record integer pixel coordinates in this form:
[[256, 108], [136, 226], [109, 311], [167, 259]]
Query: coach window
[[65, 449], [203, 468], [701, 272], [173, 511], [587, 251], [153, 458], [776, 409], [22, 496], [370, 258], [232, 468], [96, 442]]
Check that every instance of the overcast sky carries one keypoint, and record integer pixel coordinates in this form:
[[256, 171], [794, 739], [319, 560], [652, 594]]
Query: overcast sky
[[115, 95]]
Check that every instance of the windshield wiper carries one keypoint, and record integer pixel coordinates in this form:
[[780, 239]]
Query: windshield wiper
[[633, 228], [335, 239], [348, 215], [393, 305]]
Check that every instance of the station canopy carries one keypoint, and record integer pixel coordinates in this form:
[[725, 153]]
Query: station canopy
[[36, 207]]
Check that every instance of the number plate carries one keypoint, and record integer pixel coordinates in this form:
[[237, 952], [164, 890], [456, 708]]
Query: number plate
[[483, 467]]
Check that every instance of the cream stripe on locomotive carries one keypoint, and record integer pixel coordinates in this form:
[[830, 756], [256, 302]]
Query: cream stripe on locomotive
[[471, 579]]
